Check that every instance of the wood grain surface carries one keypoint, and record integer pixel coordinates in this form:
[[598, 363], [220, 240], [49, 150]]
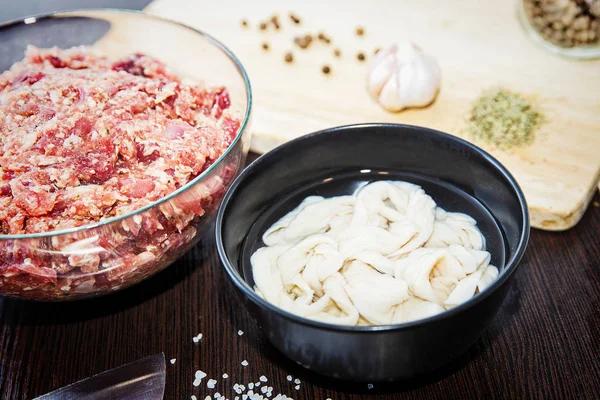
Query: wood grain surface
[[544, 344], [479, 44]]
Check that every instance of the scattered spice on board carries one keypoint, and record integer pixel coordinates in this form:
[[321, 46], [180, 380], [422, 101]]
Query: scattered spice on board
[[295, 19], [361, 56], [289, 57], [265, 46], [504, 118], [566, 23], [303, 41], [323, 38], [262, 26], [244, 23], [377, 50], [326, 69], [337, 52], [275, 21], [360, 31]]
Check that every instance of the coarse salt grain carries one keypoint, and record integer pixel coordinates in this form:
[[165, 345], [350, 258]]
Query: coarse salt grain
[[370, 386], [251, 385], [193, 397], [244, 397], [200, 374], [245, 363], [297, 387], [173, 360], [207, 398], [263, 378], [263, 389], [211, 383], [217, 395], [240, 332], [198, 378], [225, 376], [257, 384], [289, 378], [297, 381]]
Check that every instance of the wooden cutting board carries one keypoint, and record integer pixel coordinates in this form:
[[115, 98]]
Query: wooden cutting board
[[479, 45]]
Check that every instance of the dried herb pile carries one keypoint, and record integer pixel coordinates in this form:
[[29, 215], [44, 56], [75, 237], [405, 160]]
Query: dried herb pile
[[504, 119]]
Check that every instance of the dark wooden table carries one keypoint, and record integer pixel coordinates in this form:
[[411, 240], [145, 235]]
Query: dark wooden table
[[545, 342]]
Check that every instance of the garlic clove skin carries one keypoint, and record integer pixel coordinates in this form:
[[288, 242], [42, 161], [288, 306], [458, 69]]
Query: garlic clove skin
[[403, 76], [381, 69]]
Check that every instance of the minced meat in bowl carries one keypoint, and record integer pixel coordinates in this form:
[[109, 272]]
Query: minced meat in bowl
[[110, 167]]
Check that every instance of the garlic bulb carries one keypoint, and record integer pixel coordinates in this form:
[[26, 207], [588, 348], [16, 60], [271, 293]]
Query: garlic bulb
[[403, 76]]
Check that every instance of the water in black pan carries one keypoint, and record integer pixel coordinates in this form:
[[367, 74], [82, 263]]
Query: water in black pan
[[447, 196]]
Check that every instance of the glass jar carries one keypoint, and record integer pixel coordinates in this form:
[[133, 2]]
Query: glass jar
[[570, 28]]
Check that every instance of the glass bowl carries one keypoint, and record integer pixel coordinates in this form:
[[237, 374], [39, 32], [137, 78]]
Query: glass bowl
[[48, 266]]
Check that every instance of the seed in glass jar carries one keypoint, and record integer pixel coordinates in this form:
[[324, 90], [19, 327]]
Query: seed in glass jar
[[265, 46], [567, 19], [557, 36], [326, 69], [361, 56], [582, 37], [289, 57], [337, 52], [360, 31], [539, 22], [244, 23], [580, 23], [263, 26], [294, 19]]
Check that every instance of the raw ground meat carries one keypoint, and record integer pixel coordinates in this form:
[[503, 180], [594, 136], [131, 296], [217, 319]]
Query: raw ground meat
[[83, 139]]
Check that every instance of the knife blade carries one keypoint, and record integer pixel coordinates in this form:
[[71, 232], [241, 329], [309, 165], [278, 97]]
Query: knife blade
[[141, 379]]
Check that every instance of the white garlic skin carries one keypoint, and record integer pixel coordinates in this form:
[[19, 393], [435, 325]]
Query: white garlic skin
[[403, 76]]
